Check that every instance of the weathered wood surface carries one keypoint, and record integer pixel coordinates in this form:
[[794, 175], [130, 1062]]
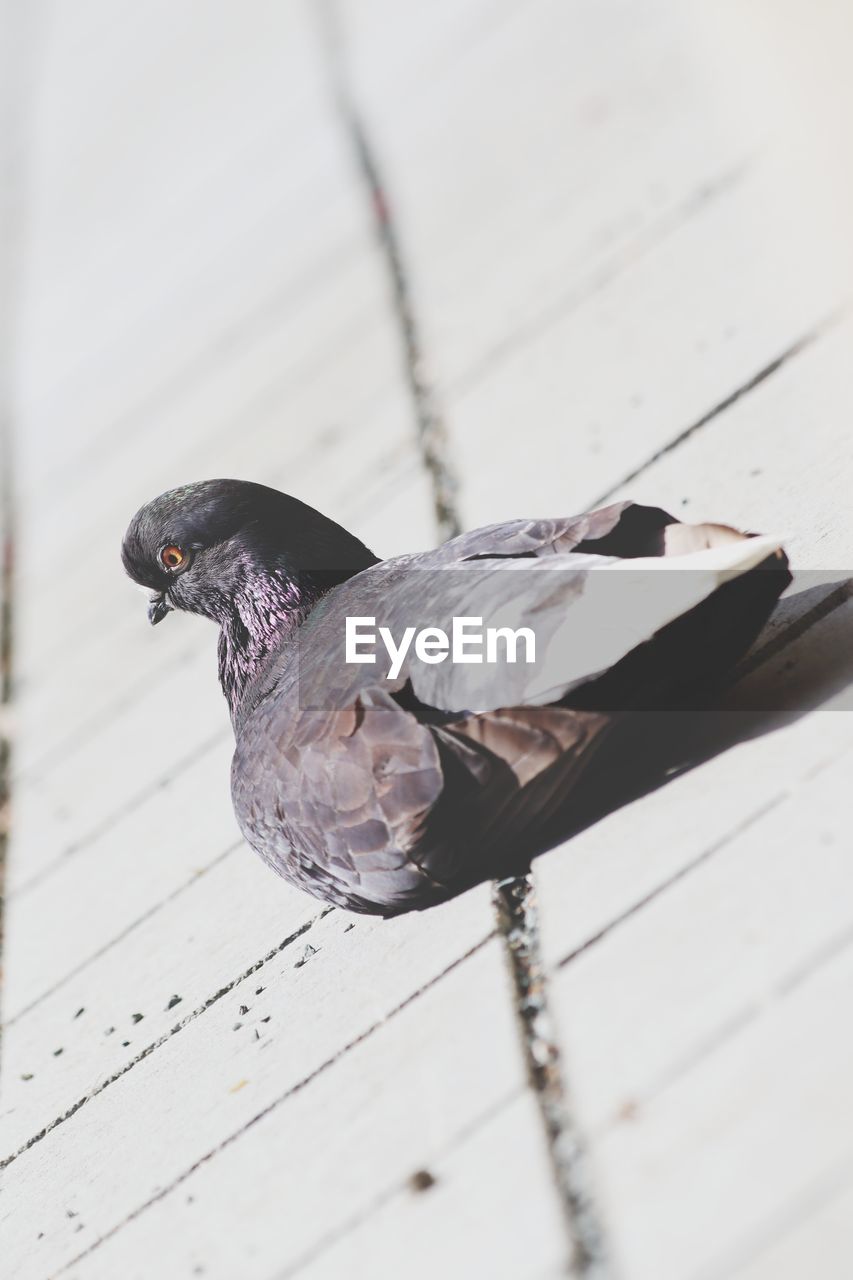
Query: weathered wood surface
[[625, 253]]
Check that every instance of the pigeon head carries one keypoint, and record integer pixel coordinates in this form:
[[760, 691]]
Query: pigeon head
[[211, 547], [250, 558]]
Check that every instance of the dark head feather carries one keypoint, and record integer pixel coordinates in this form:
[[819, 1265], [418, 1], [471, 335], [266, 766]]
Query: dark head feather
[[256, 561]]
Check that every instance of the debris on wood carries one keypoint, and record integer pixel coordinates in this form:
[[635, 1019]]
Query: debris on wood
[[421, 1180]]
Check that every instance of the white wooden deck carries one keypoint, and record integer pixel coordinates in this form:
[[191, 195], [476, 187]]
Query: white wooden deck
[[624, 239]]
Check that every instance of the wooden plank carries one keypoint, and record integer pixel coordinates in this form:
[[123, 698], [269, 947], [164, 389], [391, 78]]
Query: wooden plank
[[150, 852], [189, 1095], [492, 1212], [395, 1104], [172, 201], [614, 866], [675, 339], [195, 945], [59, 809], [608, 342], [255, 420], [710, 949], [712, 1159], [536, 159], [779, 459], [427, 47], [818, 1245], [249, 381]]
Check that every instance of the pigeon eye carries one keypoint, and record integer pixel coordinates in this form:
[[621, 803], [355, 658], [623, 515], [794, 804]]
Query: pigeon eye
[[172, 557]]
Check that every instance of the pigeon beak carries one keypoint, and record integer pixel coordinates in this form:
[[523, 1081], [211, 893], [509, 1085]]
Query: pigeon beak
[[158, 607]]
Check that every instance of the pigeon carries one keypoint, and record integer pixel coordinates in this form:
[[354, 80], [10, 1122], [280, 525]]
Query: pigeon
[[383, 767]]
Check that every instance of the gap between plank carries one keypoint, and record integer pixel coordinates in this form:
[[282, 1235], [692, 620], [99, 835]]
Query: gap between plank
[[791, 352], [429, 421], [514, 900]]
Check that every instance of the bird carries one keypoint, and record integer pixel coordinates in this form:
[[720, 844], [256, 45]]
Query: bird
[[383, 786]]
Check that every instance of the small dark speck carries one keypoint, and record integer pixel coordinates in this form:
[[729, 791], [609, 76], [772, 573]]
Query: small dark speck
[[80, 1226], [174, 1000], [756, 471], [349, 926], [137, 1017], [684, 501], [306, 956], [259, 990], [109, 1031], [267, 1018], [71, 1213], [125, 1044], [40, 1236], [257, 1034], [82, 1009], [28, 1075], [57, 1052], [198, 1271], [190, 1199], [421, 1180], [237, 1026], [244, 1009]]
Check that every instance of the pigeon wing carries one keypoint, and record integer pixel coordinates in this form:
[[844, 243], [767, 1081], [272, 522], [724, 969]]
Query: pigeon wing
[[590, 589]]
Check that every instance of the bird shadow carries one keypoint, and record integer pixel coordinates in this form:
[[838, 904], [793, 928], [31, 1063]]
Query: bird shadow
[[803, 660]]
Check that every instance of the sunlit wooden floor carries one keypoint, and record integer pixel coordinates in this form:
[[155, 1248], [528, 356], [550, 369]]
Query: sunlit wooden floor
[[625, 241]]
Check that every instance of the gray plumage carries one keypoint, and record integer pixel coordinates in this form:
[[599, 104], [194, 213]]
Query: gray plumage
[[386, 795]]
